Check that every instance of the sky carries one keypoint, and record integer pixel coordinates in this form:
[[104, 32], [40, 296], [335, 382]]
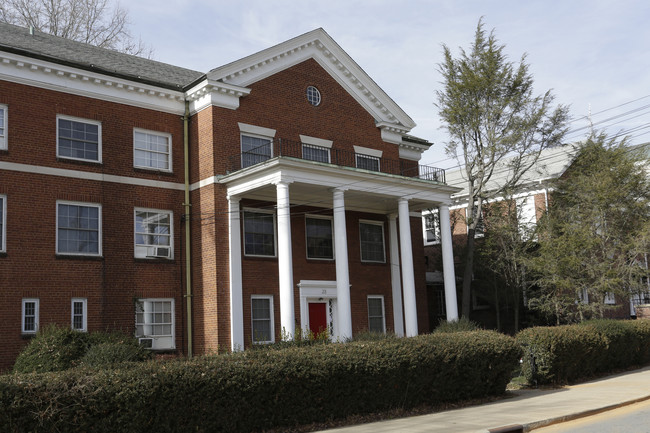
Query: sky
[[593, 55]]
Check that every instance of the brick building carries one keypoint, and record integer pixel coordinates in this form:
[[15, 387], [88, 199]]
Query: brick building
[[277, 193]]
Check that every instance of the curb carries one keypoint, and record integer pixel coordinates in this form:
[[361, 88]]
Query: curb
[[524, 428]]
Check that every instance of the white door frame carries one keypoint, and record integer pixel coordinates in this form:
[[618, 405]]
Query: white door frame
[[318, 291]]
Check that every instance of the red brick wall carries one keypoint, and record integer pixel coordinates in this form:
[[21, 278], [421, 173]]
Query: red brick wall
[[110, 283]]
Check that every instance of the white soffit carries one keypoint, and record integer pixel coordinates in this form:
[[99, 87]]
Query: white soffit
[[317, 45]]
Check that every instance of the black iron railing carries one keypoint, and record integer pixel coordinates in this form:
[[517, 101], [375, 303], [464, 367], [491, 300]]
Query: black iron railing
[[345, 158]]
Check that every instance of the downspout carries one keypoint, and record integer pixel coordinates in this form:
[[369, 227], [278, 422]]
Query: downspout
[[187, 217]]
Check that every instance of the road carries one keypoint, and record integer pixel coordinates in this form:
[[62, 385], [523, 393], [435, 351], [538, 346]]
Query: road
[[634, 418]]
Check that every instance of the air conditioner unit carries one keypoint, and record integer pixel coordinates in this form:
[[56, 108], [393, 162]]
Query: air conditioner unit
[[147, 343], [158, 252]]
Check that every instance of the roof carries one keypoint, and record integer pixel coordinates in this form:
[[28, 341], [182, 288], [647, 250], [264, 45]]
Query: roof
[[551, 164], [88, 57]]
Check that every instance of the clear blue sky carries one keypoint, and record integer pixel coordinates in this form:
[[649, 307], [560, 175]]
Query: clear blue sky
[[590, 53]]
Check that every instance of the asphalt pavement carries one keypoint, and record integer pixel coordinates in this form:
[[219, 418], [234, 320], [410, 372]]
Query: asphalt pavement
[[524, 410]]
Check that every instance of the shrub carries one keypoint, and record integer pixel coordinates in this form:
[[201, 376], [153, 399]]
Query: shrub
[[56, 348], [567, 353], [52, 349], [262, 389], [460, 325]]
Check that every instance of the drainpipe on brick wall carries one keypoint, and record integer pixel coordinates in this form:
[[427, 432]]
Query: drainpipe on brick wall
[[187, 216]]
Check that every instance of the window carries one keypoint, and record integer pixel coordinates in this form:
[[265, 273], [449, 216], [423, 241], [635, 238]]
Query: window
[[259, 233], [610, 298], [254, 150], [30, 316], [78, 139], [262, 319], [372, 241], [313, 96], [153, 234], [3, 127], [319, 238], [376, 321], [152, 150], [315, 153], [154, 323], [431, 227], [367, 162], [79, 314], [3, 217], [78, 229]]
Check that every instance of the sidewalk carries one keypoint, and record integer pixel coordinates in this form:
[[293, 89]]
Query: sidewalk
[[529, 408]]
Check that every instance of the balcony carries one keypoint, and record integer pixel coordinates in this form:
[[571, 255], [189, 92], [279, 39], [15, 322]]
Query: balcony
[[343, 158]]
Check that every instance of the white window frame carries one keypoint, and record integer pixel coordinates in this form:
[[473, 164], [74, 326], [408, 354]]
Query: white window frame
[[86, 121], [383, 312], [436, 227], [3, 127], [84, 314], [254, 132], [99, 228], [269, 298], [23, 315], [3, 223], [321, 217], [159, 341], [155, 134], [369, 154], [610, 298], [312, 142], [383, 239], [275, 231], [152, 250]]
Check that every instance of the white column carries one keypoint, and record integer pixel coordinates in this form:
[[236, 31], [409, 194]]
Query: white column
[[408, 278], [448, 264], [342, 272], [236, 297], [398, 315], [285, 264]]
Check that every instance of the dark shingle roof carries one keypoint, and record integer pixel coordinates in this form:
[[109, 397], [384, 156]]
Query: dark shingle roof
[[88, 57]]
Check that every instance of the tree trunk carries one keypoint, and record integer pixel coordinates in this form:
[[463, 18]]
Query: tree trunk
[[467, 274]]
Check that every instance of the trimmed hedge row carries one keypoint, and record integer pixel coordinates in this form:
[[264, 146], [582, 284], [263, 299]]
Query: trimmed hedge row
[[257, 390], [562, 354]]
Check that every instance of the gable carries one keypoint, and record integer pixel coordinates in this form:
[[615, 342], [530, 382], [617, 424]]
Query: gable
[[224, 86]]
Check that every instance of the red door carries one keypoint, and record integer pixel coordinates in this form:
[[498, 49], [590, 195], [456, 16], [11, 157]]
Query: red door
[[317, 317]]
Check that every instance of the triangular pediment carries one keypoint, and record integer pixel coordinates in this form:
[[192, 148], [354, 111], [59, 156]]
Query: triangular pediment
[[232, 80]]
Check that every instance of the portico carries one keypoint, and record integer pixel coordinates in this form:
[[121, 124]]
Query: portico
[[290, 183]]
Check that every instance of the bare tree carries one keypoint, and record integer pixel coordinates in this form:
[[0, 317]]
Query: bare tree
[[91, 21]]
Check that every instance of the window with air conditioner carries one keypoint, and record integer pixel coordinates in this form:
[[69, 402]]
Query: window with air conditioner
[[154, 323], [153, 234]]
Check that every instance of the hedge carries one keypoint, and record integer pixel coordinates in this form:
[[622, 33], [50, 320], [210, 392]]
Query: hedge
[[563, 354], [256, 390]]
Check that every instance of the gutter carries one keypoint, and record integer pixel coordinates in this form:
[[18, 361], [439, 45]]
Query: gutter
[[187, 217]]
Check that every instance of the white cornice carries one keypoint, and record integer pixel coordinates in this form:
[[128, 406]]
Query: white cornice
[[210, 92], [317, 45], [52, 76]]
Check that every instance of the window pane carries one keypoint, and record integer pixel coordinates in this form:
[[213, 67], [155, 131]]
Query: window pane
[[78, 140], [315, 153], [372, 242], [261, 315], [2, 204], [259, 234], [376, 315], [254, 150], [319, 238], [78, 229], [153, 234], [151, 150], [367, 162], [154, 318]]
